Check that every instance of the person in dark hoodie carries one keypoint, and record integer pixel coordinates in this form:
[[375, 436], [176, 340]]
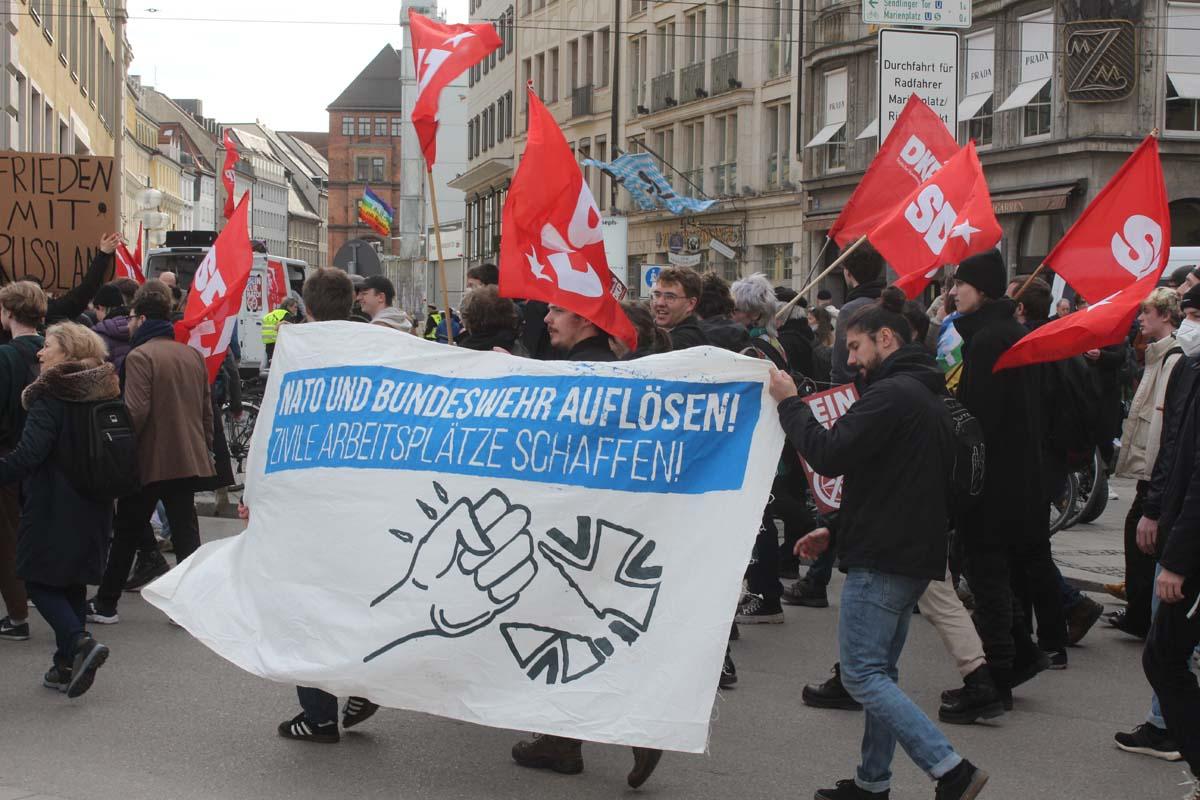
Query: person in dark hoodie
[[863, 270], [892, 539], [112, 323], [795, 334], [714, 310], [673, 300], [490, 320], [1005, 533]]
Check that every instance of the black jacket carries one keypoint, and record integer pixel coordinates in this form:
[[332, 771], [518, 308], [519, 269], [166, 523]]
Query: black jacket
[[486, 341], [74, 302], [1014, 505], [722, 332], [594, 348], [63, 537], [1108, 371], [894, 505], [1179, 521], [688, 333], [1166, 489], [797, 340]]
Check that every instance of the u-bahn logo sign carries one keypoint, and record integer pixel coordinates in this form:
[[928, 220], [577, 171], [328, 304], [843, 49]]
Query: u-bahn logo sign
[[1101, 62]]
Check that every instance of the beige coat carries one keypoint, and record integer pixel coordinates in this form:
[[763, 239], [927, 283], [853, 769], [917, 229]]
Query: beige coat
[[1143, 427], [167, 394]]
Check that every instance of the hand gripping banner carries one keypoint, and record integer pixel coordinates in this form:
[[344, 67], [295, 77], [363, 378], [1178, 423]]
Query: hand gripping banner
[[548, 546]]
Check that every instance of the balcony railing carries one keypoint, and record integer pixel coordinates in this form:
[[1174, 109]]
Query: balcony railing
[[581, 101], [691, 83], [725, 72], [662, 92]]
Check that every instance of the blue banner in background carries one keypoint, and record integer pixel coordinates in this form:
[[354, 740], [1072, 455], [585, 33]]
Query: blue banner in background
[[626, 434]]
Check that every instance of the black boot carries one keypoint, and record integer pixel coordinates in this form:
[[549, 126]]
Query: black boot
[[830, 694], [978, 698]]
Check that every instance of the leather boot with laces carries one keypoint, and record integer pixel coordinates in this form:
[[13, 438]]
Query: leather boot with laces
[[978, 699], [550, 752], [830, 694]]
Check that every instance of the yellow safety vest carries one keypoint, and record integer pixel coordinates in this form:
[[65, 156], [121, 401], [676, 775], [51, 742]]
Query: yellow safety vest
[[270, 328], [432, 332]]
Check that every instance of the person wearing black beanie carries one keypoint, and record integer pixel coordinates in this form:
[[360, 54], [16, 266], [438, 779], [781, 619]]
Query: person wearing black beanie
[[1006, 531]]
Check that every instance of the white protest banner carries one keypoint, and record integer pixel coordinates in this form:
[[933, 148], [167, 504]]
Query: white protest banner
[[828, 407], [549, 546]]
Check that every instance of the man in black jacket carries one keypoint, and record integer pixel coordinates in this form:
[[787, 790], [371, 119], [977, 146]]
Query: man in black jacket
[[673, 303], [1005, 534], [892, 540]]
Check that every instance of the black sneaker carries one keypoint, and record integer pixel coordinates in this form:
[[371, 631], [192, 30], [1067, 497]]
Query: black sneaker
[[728, 672], [977, 699], [90, 655], [101, 614], [1149, 740], [759, 611], [358, 709], [830, 694], [849, 790], [150, 565], [300, 729], [803, 593], [13, 633], [1058, 659], [58, 677], [964, 782]]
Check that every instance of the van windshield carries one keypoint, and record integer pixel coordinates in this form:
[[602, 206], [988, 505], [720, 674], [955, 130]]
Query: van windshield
[[184, 265]]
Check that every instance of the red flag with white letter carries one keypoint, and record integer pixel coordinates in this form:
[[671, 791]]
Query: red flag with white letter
[[215, 296], [918, 146], [1099, 325], [1123, 235], [442, 53], [129, 265], [551, 247], [227, 175], [944, 220]]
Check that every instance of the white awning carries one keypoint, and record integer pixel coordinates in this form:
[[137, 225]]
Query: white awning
[[871, 131], [971, 104], [1186, 85], [1022, 94], [825, 134]]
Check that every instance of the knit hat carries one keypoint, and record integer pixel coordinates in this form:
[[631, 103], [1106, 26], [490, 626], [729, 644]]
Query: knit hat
[[109, 296], [1191, 298], [985, 272]]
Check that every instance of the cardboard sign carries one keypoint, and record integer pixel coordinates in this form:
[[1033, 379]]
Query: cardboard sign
[[53, 210], [828, 407]]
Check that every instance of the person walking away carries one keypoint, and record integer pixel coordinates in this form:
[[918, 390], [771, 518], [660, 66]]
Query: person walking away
[[673, 300], [376, 297], [271, 321], [63, 533], [22, 311], [892, 541], [1006, 531], [165, 386], [581, 340], [112, 323]]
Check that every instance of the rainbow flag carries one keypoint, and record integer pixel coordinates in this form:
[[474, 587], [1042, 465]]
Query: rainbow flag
[[375, 213]]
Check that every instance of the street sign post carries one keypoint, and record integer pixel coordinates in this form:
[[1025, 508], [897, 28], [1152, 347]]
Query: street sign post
[[920, 62], [932, 13]]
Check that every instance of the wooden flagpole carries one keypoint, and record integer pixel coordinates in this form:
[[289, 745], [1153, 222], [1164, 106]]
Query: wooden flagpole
[[1028, 281], [783, 312], [437, 236]]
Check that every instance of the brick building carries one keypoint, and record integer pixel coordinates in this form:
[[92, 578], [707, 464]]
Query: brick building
[[365, 126]]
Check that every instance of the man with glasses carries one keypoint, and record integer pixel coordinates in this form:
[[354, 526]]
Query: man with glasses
[[673, 302]]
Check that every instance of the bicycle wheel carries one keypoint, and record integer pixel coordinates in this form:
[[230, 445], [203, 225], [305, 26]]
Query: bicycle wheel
[[1063, 505], [1097, 499], [238, 432]]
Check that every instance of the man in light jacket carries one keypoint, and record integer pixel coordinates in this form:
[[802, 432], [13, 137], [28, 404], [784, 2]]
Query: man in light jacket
[[375, 298]]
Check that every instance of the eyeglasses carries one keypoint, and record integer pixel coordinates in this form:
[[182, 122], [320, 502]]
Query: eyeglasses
[[670, 297]]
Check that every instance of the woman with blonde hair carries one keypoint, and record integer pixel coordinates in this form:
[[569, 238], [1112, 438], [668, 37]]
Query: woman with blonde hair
[[63, 534]]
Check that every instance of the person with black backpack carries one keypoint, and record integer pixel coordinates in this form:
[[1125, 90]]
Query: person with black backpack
[[22, 310], [892, 536], [64, 526]]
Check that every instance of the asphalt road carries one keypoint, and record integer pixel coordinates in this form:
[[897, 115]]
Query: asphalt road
[[169, 719]]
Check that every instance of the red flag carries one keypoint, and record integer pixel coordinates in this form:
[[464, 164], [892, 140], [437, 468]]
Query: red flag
[[130, 265], [277, 285], [1099, 325], [137, 255], [441, 53], [1123, 235], [551, 248], [942, 221], [918, 146], [215, 296], [231, 159]]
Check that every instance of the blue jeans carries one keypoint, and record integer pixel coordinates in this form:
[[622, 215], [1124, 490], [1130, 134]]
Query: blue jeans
[[873, 624], [1155, 716]]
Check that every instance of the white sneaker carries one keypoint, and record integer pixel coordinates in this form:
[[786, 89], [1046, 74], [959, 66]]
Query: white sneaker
[[1113, 495]]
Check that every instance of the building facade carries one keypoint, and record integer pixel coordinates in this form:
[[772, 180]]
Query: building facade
[[269, 212]]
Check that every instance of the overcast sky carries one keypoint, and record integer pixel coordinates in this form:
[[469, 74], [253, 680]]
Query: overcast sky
[[278, 61]]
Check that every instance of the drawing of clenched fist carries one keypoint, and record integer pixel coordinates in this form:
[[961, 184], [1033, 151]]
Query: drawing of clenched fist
[[470, 566]]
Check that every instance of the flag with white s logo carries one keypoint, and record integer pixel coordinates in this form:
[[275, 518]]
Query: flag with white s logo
[[1123, 235], [943, 221], [551, 246]]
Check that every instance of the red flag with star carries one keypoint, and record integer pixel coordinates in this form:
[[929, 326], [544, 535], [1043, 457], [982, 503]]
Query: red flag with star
[[944, 220], [551, 245], [442, 53], [1123, 235], [1099, 325]]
